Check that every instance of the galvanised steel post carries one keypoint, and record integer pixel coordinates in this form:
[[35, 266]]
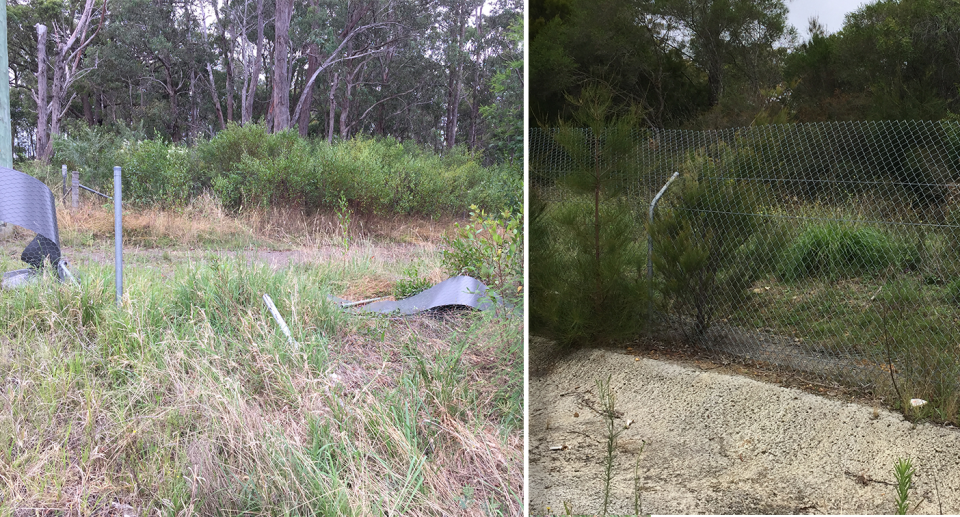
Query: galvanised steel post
[[118, 232], [653, 205]]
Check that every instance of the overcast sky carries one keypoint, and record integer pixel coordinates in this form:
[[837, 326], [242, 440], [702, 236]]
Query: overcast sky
[[830, 12]]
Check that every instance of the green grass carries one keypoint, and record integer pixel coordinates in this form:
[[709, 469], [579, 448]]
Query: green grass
[[847, 291], [837, 251], [188, 399]]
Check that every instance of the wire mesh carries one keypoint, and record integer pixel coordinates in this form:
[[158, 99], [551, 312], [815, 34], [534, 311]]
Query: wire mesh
[[832, 248], [26, 202]]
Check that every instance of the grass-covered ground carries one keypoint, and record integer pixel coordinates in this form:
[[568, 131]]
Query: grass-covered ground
[[187, 399], [848, 290]]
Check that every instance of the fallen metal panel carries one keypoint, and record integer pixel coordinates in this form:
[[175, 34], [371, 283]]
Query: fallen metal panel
[[26, 202], [457, 291], [18, 278]]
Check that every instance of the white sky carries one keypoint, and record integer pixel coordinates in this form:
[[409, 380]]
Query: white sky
[[830, 13]]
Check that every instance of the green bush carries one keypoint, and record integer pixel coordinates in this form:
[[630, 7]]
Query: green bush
[[385, 176], [489, 249], [245, 166], [92, 151], [707, 219], [835, 250], [156, 173]]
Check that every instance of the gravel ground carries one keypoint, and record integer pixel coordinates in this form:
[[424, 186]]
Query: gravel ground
[[721, 444]]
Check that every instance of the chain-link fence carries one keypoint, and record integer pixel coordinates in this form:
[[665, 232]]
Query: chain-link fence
[[826, 248]]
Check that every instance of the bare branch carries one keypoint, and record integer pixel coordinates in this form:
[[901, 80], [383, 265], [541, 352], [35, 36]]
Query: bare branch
[[333, 59]]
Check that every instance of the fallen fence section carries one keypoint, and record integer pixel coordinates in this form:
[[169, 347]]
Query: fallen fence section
[[26, 202], [462, 291]]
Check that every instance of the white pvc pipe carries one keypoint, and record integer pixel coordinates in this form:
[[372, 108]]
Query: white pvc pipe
[[280, 321]]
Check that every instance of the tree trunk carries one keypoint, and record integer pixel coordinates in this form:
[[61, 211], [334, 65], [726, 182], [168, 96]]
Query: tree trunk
[[333, 107], [228, 68], [99, 110], [715, 80], [215, 97], [477, 86], [350, 81], [43, 135], [226, 51], [454, 81], [281, 79], [172, 127], [66, 69], [253, 72], [87, 109], [313, 63], [58, 92]]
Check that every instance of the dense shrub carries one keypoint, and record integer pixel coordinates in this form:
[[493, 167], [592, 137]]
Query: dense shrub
[[698, 236], [489, 248], [92, 151], [245, 166], [156, 173], [386, 176]]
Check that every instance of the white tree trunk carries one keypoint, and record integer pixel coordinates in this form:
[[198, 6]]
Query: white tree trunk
[[43, 127], [281, 79]]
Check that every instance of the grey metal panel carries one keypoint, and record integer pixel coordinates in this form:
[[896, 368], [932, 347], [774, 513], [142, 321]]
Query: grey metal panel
[[26, 202], [18, 278], [457, 291]]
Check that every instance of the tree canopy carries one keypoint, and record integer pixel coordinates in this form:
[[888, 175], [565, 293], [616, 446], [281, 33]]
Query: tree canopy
[[707, 64], [438, 72]]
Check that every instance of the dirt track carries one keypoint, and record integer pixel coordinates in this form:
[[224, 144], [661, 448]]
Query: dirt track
[[723, 444]]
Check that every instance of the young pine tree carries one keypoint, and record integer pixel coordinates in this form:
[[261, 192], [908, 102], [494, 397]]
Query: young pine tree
[[705, 220], [588, 286]]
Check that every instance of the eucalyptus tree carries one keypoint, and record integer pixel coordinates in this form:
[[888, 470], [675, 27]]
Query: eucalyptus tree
[[726, 33], [73, 28], [440, 73]]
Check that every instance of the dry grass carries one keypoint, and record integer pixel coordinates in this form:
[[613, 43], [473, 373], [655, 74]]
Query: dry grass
[[187, 400], [205, 223]]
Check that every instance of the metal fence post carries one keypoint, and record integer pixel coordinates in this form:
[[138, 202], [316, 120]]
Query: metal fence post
[[75, 192], [63, 171], [653, 205], [118, 232]]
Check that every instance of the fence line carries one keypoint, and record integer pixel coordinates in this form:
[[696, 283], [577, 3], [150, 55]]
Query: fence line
[[852, 264]]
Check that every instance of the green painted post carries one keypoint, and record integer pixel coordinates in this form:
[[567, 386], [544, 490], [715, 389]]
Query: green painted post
[[6, 135]]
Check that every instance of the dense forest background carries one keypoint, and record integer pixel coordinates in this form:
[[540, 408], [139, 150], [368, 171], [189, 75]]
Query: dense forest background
[[442, 73], [707, 64]]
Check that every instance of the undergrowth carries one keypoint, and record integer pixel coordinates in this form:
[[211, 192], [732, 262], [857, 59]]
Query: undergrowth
[[246, 167], [187, 398]]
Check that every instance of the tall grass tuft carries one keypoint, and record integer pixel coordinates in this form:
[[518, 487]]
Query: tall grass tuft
[[834, 251]]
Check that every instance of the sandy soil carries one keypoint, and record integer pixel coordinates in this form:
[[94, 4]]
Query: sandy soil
[[718, 443]]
